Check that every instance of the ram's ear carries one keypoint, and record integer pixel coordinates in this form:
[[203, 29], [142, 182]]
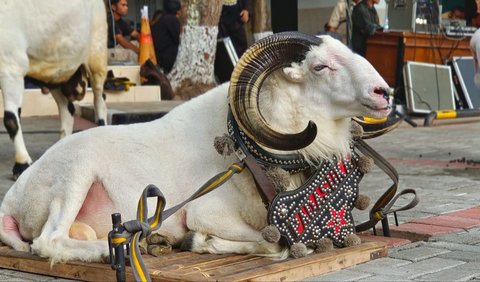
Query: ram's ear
[[294, 74]]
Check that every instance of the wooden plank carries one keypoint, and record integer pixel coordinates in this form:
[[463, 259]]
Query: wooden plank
[[188, 266], [76, 270], [313, 265]]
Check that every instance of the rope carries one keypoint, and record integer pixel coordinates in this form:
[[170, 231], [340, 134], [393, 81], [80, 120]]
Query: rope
[[131, 232]]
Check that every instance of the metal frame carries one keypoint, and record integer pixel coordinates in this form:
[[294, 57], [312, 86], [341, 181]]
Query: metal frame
[[410, 94]]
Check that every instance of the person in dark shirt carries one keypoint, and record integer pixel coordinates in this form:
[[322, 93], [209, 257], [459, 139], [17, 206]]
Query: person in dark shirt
[[235, 14], [166, 35], [364, 24], [471, 9], [123, 31]]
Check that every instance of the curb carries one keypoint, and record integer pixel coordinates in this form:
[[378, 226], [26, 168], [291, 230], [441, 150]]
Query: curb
[[423, 228]]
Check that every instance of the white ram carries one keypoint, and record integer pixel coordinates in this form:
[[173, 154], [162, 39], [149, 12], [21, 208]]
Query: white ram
[[326, 84], [49, 41]]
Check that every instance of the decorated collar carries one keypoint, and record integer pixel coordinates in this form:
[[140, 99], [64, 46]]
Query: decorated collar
[[321, 207], [292, 163]]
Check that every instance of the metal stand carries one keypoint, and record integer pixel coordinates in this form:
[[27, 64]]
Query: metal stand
[[386, 226], [117, 257], [406, 118], [450, 114]]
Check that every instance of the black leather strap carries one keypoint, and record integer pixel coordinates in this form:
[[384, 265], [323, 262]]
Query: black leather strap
[[383, 206], [290, 162], [264, 186]]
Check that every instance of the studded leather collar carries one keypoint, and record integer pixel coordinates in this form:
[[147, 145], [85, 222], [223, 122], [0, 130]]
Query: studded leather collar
[[292, 163], [321, 207]]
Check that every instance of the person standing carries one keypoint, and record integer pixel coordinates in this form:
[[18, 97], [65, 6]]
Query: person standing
[[166, 35], [338, 15], [364, 24], [119, 30], [472, 8], [235, 14]]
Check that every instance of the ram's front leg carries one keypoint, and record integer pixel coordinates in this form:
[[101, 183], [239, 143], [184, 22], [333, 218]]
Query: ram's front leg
[[222, 230], [12, 91]]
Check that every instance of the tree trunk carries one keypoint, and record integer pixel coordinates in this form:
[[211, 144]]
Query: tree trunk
[[193, 72], [261, 19]]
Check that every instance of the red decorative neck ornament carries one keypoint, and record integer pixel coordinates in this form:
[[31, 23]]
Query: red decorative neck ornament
[[321, 207]]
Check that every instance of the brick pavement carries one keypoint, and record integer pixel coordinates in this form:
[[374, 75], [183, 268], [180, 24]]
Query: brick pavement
[[433, 160]]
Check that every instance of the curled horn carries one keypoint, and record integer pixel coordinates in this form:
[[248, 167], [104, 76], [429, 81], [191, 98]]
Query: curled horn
[[259, 61]]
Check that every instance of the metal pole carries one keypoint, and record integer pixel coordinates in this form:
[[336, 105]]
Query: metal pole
[[385, 227], [119, 263]]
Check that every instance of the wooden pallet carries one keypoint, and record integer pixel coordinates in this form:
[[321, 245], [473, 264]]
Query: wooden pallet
[[187, 266]]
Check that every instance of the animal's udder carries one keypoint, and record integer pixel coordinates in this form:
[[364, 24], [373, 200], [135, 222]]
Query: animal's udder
[[96, 210], [10, 226]]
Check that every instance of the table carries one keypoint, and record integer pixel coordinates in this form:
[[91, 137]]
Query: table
[[388, 51]]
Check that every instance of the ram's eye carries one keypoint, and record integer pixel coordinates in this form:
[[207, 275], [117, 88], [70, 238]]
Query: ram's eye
[[319, 67]]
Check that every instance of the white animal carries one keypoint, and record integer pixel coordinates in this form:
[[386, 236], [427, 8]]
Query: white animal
[[49, 41], [111, 165], [475, 47]]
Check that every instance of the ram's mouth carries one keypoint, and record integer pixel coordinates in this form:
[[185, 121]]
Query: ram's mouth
[[378, 104], [377, 109]]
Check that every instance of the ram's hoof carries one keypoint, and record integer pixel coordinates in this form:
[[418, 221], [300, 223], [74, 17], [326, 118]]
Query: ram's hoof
[[18, 168], [159, 250], [158, 245]]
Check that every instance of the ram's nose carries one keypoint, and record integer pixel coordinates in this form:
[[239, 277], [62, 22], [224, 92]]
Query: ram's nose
[[384, 92]]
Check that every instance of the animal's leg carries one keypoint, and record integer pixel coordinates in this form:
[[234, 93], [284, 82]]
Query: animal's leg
[[54, 241], [66, 110], [97, 68], [99, 100], [10, 234], [236, 237], [12, 91], [170, 235], [204, 243]]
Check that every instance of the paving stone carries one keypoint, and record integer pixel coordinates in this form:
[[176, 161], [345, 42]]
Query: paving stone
[[462, 255], [427, 266], [417, 232], [461, 273], [12, 275], [407, 247], [454, 246], [383, 266], [419, 253], [449, 221], [385, 262], [473, 213], [384, 278], [466, 237], [472, 265], [343, 275]]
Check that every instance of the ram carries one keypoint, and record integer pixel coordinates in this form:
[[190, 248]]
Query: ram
[[57, 44], [281, 84]]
